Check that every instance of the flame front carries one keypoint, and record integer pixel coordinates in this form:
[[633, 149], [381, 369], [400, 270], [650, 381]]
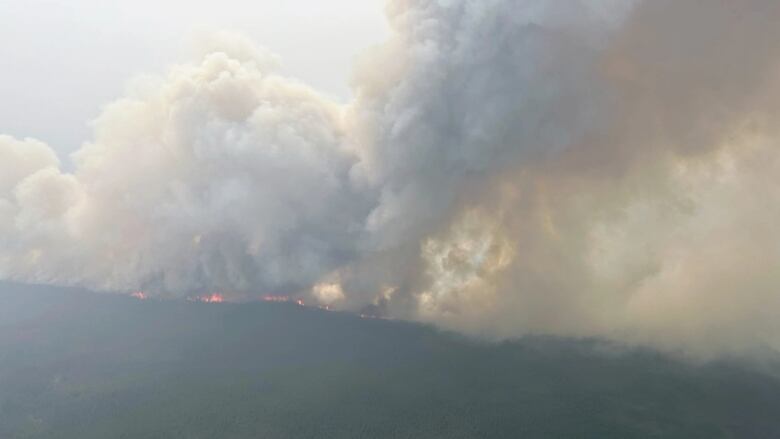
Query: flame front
[[212, 298]]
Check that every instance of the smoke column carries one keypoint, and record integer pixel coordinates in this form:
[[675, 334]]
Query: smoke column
[[580, 168]]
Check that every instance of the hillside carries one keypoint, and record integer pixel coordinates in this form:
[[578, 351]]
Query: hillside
[[75, 365]]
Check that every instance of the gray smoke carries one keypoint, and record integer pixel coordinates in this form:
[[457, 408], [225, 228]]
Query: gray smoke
[[587, 168]]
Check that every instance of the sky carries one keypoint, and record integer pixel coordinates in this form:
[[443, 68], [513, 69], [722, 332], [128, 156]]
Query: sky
[[81, 53]]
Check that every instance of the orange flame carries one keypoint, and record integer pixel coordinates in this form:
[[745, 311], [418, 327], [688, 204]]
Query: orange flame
[[140, 295], [213, 298]]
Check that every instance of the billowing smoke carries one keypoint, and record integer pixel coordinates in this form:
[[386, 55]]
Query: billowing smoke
[[587, 168]]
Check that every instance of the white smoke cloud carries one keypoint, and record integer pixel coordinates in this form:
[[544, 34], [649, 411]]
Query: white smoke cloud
[[575, 167], [221, 175]]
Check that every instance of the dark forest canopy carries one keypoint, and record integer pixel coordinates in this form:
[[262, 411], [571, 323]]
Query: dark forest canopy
[[78, 365]]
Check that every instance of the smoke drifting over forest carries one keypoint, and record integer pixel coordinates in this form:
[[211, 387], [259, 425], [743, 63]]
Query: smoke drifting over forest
[[579, 168]]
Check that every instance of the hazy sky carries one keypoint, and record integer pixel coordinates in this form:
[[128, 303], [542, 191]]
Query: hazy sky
[[80, 53]]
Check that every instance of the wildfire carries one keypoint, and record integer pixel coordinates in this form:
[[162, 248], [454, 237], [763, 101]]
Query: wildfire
[[140, 295], [212, 298]]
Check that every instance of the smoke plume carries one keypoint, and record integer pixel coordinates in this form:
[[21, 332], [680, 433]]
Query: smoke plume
[[581, 168]]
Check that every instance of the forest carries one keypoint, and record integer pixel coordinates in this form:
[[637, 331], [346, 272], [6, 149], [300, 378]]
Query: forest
[[77, 365]]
